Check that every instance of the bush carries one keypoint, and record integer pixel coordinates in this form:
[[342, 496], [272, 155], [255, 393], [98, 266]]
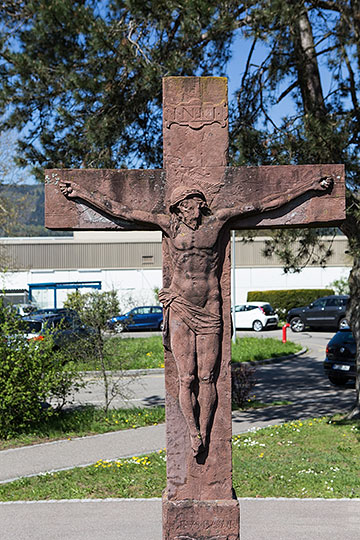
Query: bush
[[341, 285], [95, 308], [242, 382], [31, 374], [286, 299]]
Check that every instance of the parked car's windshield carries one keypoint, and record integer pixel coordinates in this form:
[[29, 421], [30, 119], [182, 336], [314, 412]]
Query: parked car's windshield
[[343, 336]]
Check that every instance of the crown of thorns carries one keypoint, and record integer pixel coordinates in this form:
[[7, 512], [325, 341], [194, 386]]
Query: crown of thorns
[[180, 193]]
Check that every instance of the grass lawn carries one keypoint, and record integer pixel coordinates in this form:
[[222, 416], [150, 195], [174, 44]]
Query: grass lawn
[[145, 353], [254, 349], [84, 421], [90, 420], [312, 458]]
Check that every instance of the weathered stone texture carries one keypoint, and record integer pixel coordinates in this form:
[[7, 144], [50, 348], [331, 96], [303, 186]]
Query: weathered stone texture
[[200, 520]]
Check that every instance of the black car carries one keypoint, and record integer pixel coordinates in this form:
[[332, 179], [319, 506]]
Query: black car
[[339, 364], [54, 311], [329, 311], [63, 327]]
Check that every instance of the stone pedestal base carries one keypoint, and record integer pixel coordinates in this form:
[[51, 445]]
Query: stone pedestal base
[[201, 520]]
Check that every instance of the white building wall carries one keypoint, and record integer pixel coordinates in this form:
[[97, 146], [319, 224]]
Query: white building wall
[[263, 279], [136, 287]]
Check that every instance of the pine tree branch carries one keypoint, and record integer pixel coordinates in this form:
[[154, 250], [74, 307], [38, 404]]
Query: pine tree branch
[[326, 4], [287, 91]]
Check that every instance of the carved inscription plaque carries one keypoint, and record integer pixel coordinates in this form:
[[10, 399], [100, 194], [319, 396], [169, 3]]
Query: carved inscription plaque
[[196, 114], [201, 520], [231, 537]]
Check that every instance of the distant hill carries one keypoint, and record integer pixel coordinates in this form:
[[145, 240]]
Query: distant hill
[[30, 200]]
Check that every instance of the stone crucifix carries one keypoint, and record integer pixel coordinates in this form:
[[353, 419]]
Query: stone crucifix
[[195, 201]]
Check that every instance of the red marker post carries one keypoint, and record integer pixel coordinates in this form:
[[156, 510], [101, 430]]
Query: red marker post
[[284, 328]]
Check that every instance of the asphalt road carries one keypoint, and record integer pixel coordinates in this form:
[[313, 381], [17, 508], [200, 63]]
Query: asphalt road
[[300, 380], [119, 519]]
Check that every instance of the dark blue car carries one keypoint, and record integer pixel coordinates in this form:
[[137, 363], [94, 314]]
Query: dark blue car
[[144, 317], [339, 364]]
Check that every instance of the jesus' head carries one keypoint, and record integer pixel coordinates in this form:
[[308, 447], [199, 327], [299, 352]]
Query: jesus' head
[[188, 204]]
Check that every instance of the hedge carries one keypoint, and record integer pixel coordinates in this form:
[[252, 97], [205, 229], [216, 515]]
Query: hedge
[[283, 300]]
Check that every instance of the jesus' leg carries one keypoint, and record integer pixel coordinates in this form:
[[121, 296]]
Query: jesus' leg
[[207, 357], [183, 349]]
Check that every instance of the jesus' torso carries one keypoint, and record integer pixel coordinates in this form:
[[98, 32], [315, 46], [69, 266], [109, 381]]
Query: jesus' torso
[[195, 263]]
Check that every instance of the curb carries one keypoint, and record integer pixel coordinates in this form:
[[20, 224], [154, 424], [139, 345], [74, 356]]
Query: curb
[[160, 371], [125, 373]]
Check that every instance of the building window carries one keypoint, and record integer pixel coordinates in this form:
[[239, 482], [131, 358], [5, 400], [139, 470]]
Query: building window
[[147, 260]]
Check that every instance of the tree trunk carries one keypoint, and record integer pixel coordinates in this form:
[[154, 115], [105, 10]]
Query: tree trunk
[[353, 314], [307, 67], [350, 227], [313, 103]]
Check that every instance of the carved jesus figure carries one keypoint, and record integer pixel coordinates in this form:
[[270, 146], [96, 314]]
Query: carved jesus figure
[[192, 302]]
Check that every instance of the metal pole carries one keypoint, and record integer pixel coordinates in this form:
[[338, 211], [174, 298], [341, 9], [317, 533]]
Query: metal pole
[[233, 288]]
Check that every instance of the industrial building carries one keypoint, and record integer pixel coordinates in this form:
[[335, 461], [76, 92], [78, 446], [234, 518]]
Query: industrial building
[[130, 262]]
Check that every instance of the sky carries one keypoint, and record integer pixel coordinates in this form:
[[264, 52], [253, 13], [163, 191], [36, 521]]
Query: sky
[[236, 67]]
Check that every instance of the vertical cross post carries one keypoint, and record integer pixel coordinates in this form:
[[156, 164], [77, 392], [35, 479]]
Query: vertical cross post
[[199, 500]]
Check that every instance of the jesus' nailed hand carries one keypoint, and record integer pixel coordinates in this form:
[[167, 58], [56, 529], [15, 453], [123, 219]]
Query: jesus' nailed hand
[[192, 302]]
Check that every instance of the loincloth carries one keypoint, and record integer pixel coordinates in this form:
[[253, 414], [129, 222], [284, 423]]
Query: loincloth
[[198, 319]]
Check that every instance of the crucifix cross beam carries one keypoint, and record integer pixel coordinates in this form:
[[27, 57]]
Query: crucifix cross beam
[[195, 200]]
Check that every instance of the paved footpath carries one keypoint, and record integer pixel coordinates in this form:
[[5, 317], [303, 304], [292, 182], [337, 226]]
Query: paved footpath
[[83, 451]]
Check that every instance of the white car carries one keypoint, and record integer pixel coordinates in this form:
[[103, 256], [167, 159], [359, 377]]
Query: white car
[[255, 315]]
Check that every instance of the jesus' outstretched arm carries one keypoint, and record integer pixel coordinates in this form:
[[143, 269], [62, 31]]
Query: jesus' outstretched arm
[[276, 199], [111, 208]]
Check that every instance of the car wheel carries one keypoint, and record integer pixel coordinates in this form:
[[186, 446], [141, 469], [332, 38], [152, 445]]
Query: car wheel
[[161, 326], [257, 326], [119, 327], [297, 325], [338, 380], [343, 323]]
